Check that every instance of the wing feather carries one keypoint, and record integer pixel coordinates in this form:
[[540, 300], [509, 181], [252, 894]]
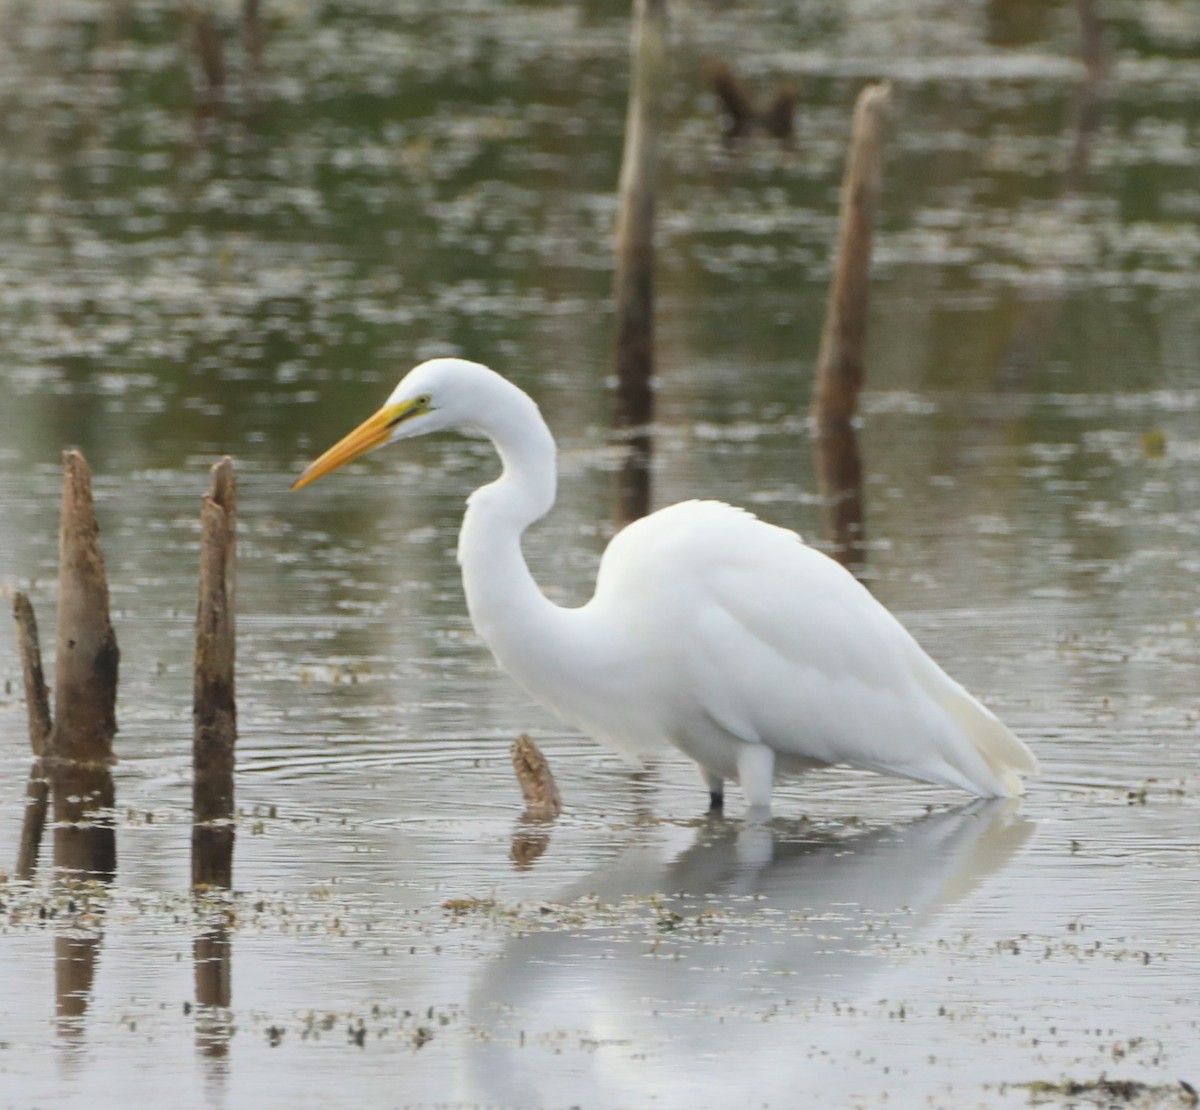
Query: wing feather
[[775, 643]]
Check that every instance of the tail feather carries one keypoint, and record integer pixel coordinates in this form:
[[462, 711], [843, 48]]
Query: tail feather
[[1006, 757]]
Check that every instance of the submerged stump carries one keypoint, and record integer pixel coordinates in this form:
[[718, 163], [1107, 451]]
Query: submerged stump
[[214, 706], [543, 802]]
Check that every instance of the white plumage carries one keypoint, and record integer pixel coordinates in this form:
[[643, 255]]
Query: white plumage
[[709, 630]]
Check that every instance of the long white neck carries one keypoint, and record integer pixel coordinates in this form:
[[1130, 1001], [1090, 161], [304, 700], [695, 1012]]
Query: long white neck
[[507, 608]]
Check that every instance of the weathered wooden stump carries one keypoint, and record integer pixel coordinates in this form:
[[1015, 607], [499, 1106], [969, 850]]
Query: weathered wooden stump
[[634, 278], [543, 802], [87, 658], [840, 366], [37, 703], [214, 706], [79, 749]]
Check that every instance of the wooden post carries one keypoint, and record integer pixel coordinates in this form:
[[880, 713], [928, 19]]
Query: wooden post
[[79, 750], [840, 361], [37, 703], [634, 280], [739, 109], [214, 705], [37, 697], [87, 658]]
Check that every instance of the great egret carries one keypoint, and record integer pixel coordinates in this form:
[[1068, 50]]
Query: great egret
[[710, 630]]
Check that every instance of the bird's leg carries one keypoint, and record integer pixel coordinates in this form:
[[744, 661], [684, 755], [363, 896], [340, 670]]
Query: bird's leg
[[756, 773], [716, 790]]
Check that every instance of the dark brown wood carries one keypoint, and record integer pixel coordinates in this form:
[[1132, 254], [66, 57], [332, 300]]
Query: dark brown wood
[[85, 841], [37, 697], [213, 960], [634, 476], [37, 703], [733, 98], [214, 705], [634, 279], [779, 116], [839, 476], [75, 959], [33, 823], [87, 658], [742, 117], [841, 360], [839, 374]]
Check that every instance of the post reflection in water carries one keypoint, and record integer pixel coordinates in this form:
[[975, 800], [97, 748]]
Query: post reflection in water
[[37, 803], [85, 841], [212, 953], [85, 862], [212, 948], [530, 840], [749, 918]]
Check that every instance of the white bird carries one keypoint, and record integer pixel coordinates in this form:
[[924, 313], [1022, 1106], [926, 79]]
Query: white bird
[[710, 630]]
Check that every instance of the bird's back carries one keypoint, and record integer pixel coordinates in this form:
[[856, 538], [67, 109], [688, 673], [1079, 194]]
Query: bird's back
[[750, 635]]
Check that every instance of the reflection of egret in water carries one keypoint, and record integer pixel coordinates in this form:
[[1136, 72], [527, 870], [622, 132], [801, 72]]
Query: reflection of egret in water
[[750, 921]]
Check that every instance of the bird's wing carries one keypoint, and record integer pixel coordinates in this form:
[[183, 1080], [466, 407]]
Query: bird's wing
[[807, 660], [779, 644]]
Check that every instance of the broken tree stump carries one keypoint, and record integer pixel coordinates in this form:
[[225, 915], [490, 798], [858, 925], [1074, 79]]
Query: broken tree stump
[[840, 366], [214, 707], [843, 338], [742, 117], [634, 277], [87, 658], [37, 702], [543, 802], [37, 697], [79, 749]]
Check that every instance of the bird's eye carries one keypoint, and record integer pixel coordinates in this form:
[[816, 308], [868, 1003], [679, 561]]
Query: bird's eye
[[424, 400]]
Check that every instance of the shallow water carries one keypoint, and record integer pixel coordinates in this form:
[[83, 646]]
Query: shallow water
[[176, 284]]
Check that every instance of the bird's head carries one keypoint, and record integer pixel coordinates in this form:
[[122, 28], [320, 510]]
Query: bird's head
[[430, 398]]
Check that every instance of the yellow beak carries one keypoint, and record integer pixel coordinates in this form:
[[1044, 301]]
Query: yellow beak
[[373, 432]]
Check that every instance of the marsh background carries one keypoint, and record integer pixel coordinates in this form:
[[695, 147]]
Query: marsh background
[[184, 275]]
